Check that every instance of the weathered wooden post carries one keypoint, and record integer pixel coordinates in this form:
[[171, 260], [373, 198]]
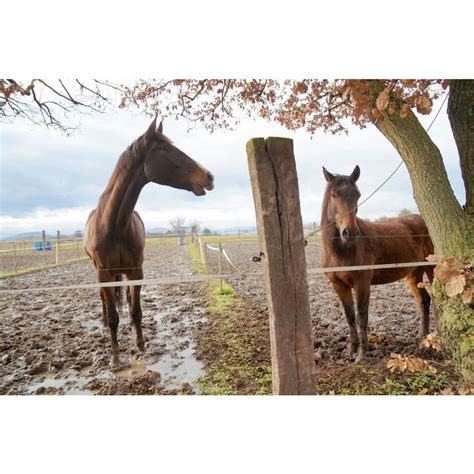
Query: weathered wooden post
[[58, 237], [14, 258], [275, 191], [220, 267], [206, 260]]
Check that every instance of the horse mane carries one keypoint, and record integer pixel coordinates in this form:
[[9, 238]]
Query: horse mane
[[131, 157], [134, 153]]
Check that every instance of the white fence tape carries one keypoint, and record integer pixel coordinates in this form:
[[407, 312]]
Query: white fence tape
[[230, 261], [198, 278], [153, 281]]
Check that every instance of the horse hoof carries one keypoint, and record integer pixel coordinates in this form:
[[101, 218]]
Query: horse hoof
[[115, 362], [141, 346], [360, 358]]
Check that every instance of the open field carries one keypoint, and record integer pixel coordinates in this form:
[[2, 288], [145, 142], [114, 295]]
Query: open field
[[53, 342]]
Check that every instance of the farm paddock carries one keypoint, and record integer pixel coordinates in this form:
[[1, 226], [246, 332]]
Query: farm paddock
[[198, 341]]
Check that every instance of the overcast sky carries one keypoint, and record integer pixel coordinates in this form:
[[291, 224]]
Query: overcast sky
[[50, 181]]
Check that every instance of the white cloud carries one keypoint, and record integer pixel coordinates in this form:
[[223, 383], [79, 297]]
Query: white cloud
[[51, 182]]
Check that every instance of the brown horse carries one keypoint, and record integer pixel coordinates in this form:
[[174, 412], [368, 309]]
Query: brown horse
[[349, 240], [114, 237]]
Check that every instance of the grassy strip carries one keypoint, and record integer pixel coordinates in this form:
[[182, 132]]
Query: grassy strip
[[235, 345], [24, 271], [374, 380], [234, 348]]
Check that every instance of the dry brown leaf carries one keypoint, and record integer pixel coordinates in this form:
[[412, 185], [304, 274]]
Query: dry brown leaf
[[382, 100], [466, 390], [444, 271], [432, 340], [377, 115], [447, 391], [423, 105], [431, 369], [433, 258], [404, 110], [423, 391], [401, 363], [467, 295], [455, 285]]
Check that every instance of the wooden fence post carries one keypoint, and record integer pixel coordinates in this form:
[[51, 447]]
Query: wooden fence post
[[275, 191], [201, 251], [220, 267], [58, 237], [206, 261], [14, 258]]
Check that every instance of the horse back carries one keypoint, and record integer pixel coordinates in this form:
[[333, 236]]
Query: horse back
[[398, 240]]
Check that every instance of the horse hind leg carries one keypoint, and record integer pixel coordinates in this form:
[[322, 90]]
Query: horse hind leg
[[422, 299], [104, 308], [135, 309], [119, 294], [429, 271]]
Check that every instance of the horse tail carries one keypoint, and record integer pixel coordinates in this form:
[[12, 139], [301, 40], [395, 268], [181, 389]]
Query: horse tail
[[119, 293]]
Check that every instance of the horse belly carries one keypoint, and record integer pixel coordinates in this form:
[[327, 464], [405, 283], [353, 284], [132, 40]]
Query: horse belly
[[390, 275]]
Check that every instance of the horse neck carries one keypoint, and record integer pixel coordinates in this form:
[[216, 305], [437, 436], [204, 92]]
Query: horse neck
[[118, 201]]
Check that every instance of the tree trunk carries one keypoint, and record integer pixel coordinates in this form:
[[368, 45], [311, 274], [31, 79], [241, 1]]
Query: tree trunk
[[461, 117], [451, 227]]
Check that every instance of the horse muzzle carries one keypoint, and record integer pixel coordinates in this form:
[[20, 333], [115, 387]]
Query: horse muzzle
[[349, 235]]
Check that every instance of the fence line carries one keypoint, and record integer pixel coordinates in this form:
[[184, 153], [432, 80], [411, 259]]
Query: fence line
[[108, 284], [197, 278]]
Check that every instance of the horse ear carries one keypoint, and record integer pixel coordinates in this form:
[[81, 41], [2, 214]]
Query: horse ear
[[160, 127], [151, 131], [329, 176], [355, 174]]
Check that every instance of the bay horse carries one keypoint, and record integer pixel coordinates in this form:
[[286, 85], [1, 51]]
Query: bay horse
[[114, 237], [348, 241]]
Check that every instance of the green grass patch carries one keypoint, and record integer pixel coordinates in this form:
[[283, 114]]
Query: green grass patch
[[153, 242], [235, 347], [220, 300], [358, 380], [195, 257]]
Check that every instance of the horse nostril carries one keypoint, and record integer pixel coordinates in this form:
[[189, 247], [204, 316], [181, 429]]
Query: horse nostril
[[210, 176], [345, 233]]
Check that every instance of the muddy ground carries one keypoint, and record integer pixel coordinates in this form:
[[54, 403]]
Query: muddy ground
[[393, 324], [54, 343]]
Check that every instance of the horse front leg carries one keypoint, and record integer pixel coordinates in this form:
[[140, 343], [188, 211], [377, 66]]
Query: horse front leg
[[345, 295], [113, 322], [136, 310], [363, 297]]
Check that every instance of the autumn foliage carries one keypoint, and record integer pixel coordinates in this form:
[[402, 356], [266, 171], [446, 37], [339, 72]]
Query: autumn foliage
[[308, 103]]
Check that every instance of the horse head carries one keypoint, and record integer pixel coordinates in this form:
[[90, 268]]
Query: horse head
[[166, 164], [340, 200]]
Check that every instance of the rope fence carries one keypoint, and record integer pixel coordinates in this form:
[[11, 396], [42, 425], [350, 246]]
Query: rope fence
[[222, 254]]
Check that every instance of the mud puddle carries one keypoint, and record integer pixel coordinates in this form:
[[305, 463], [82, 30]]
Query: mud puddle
[[177, 365], [54, 342]]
